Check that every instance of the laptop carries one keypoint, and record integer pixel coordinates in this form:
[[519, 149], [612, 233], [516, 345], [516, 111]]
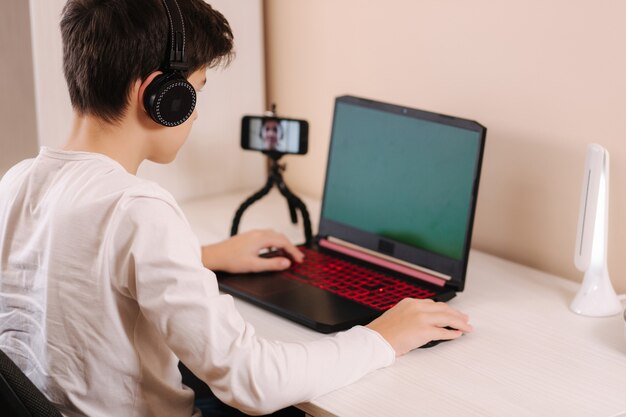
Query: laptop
[[396, 219]]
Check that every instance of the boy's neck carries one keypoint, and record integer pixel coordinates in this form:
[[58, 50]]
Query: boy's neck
[[120, 142]]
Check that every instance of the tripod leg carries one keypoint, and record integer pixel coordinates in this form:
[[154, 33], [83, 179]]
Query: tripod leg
[[284, 190], [295, 203], [249, 201], [292, 212]]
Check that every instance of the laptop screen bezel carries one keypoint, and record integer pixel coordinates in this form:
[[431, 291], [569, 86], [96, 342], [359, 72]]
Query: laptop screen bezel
[[454, 268]]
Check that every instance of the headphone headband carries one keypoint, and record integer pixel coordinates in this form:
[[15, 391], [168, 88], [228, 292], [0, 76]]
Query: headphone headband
[[170, 99], [175, 56]]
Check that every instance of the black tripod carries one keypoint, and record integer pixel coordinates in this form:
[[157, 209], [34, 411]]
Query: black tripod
[[276, 178]]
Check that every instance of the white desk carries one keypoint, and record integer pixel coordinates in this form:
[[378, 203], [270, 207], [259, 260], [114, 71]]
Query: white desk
[[528, 356]]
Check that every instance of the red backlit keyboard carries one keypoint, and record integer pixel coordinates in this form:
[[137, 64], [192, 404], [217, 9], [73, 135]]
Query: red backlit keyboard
[[355, 282]]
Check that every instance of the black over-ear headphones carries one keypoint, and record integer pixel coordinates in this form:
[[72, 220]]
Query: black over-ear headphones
[[170, 99]]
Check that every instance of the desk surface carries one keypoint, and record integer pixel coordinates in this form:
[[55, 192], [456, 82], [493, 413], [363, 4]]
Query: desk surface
[[528, 355]]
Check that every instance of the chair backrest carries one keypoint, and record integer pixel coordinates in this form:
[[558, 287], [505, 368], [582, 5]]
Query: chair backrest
[[19, 396]]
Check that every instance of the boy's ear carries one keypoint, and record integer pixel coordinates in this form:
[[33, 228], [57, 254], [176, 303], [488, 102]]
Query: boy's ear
[[143, 85]]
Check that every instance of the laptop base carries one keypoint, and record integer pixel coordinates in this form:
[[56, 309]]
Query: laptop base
[[305, 304]]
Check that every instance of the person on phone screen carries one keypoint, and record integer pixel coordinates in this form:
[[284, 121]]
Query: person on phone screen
[[272, 135]]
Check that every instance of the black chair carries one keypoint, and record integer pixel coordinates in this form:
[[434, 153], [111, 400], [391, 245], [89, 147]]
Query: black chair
[[19, 397]]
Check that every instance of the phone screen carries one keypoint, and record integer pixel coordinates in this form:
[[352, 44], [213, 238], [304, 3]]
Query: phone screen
[[272, 134]]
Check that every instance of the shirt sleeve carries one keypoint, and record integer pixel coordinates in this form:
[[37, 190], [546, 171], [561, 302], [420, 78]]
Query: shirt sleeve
[[180, 298]]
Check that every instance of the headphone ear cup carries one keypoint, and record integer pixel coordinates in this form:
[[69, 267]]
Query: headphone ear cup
[[169, 99]]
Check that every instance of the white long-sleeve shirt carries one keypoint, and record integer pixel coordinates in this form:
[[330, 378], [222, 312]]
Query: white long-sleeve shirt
[[102, 291]]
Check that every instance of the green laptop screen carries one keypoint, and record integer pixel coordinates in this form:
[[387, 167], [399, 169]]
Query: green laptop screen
[[401, 177]]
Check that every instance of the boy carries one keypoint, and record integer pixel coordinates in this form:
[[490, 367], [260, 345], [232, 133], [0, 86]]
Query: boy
[[103, 287]]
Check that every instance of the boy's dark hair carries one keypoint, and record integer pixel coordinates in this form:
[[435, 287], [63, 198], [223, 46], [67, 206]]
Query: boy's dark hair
[[109, 44]]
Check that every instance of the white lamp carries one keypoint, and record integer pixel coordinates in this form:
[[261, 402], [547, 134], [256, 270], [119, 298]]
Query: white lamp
[[596, 297]]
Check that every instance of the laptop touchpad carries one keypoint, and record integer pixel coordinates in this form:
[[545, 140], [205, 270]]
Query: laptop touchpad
[[264, 285]]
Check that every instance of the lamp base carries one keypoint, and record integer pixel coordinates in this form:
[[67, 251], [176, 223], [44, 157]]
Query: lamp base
[[596, 297]]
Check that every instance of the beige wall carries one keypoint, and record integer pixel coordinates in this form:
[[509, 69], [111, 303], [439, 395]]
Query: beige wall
[[18, 139], [211, 162], [545, 77]]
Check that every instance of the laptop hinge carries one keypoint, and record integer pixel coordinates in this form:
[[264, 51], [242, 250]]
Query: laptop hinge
[[385, 261]]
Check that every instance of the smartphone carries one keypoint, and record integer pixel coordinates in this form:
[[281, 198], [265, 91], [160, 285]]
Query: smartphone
[[275, 134]]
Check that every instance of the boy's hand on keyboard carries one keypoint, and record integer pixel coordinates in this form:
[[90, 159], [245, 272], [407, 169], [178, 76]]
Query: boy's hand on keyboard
[[412, 323], [240, 253]]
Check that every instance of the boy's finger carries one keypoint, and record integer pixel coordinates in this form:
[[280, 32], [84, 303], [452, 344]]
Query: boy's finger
[[280, 241], [294, 252], [271, 264], [446, 334]]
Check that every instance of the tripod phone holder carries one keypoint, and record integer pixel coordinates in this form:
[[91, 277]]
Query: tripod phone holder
[[275, 178]]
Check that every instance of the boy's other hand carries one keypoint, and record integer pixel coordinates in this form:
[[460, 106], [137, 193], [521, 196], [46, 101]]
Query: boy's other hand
[[240, 253], [412, 323]]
